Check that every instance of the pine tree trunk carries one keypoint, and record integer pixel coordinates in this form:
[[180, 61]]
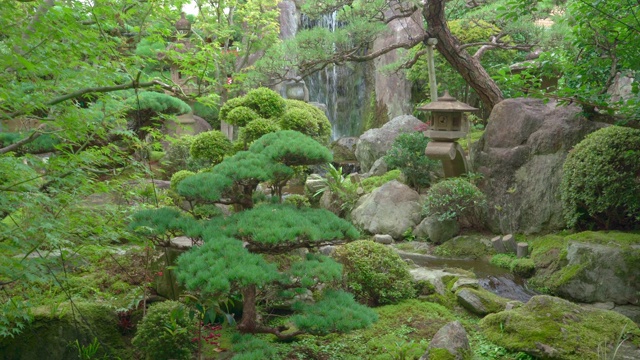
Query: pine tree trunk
[[466, 65], [249, 313]]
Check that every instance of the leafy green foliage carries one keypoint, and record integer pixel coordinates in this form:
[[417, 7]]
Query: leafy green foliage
[[230, 105], [241, 116], [337, 312], [321, 126], [298, 120], [407, 154], [179, 176], [600, 180], [453, 198], [375, 273], [211, 145], [297, 200], [291, 148], [160, 103], [256, 129], [266, 102], [166, 332]]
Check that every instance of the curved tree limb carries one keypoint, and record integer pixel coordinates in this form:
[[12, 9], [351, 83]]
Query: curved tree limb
[[34, 135]]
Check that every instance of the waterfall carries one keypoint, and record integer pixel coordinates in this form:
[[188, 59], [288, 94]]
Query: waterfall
[[342, 89]]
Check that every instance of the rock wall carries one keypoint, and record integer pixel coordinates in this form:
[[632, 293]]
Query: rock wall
[[521, 155]]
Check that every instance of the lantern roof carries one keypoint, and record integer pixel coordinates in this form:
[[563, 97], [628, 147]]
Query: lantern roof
[[447, 103], [183, 25]]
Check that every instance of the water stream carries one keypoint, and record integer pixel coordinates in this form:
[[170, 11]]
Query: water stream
[[495, 279]]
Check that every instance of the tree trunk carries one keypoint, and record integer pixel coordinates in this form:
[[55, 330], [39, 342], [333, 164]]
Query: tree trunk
[[249, 313], [466, 65]]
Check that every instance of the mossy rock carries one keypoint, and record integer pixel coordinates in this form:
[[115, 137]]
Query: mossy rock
[[465, 246], [52, 334], [589, 266], [480, 301], [553, 328]]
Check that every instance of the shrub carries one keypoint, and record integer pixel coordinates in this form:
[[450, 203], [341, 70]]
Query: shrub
[[160, 103], [297, 200], [322, 124], [454, 198], [370, 183], [299, 120], [179, 176], [178, 156], [266, 102], [211, 145], [601, 180], [241, 116], [256, 129], [374, 273], [208, 113], [407, 154], [166, 332], [230, 105]]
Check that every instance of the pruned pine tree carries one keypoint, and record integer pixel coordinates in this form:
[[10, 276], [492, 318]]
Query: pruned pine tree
[[238, 250]]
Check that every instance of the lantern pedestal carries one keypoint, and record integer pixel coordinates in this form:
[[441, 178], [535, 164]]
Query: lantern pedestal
[[452, 156]]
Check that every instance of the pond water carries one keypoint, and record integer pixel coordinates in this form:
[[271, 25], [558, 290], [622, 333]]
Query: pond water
[[495, 279]]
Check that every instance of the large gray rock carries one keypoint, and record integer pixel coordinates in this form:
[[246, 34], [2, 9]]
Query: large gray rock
[[480, 301], [521, 155], [601, 273], [451, 338], [344, 149], [437, 231], [375, 143], [390, 209]]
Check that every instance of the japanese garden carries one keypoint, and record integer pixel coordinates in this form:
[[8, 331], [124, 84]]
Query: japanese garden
[[302, 179]]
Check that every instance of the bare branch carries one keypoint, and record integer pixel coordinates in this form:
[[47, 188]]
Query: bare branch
[[34, 135]]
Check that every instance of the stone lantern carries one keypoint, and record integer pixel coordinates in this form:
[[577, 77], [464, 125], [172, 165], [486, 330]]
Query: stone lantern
[[446, 121], [183, 26], [446, 125]]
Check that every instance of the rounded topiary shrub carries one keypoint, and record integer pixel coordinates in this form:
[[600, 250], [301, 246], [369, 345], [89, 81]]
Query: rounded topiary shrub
[[228, 106], [299, 120], [166, 332], [454, 199], [266, 102], [256, 129], [601, 180], [241, 116], [374, 273], [322, 125], [211, 145], [179, 176]]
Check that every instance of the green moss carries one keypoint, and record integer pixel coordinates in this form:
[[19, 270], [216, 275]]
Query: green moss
[[440, 354], [523, 267], [502, 260], [573, 331], [491, 302], [53, 332], [466, 246], [373, 182]]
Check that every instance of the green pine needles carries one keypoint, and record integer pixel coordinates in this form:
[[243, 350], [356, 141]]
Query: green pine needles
[[239, 252]]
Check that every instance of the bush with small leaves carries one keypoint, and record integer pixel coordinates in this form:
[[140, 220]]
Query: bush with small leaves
[[299, 120], [601, 180], [256, 129], [241, 116], [322, 125], [454, 198], [211, 145], [266, 102], [166, 332], [179, 176], [228, 106], [297, 200], [407, 154], [374, 273]]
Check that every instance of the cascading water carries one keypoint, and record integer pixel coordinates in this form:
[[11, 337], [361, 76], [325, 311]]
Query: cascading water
[[343, 88]]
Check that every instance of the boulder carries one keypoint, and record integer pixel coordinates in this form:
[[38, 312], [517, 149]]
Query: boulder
[[390, 209], [437, 231], [520, 157], [450, 342], [314, 183], [54, 331], [378, 168], [344, 149], [589, 267], [599, 273], [443, 280], [480, 301], [552, 328], [375, 143], [383, 239]]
